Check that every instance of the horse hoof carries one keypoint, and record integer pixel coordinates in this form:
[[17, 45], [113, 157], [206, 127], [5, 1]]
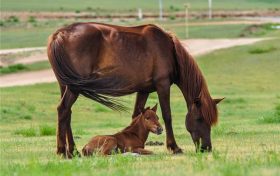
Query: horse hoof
[[177, 151]]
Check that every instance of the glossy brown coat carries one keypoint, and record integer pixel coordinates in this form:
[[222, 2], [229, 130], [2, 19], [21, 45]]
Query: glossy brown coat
[[130, 139], [102, 61]]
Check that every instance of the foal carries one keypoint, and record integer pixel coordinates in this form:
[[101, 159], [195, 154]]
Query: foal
[[130, 139]]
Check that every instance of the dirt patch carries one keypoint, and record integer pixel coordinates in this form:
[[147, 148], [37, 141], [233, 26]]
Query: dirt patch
[[195, 47], [22, 57]]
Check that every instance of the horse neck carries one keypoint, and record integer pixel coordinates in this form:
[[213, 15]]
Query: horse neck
[[192, 82], [138, 129]]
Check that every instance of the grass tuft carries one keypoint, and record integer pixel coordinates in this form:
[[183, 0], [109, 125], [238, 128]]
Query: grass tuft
[[26, 117], [12, 68], [46, 130], [29, 132], [271, 117], [262, 50]]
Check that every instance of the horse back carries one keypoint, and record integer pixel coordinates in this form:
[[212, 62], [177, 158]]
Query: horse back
[[141, 54]]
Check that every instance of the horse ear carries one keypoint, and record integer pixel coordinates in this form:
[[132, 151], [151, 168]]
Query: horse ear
[[197, 102], [218, 100], [154, 108]]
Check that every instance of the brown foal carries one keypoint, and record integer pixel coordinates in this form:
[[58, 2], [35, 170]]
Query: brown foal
[[130, 139]]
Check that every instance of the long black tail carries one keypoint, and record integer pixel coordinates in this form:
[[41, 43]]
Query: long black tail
[[100, 89]]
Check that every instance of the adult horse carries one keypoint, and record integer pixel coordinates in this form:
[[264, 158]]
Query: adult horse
[[102, 61]]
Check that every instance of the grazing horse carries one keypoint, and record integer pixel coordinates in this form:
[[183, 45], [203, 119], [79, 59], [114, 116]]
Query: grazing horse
[[102, 61], [130, 139]]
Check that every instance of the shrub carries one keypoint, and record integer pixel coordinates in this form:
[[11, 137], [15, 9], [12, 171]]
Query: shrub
[[12, 19], [32, 19], [172, 17]]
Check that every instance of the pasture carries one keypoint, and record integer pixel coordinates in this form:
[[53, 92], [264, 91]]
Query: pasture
[[246, 141], [28, 33], [110, 6], [25, 32]]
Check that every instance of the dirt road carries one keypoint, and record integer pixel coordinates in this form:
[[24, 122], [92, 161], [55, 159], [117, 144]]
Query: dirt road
[[194, 46]]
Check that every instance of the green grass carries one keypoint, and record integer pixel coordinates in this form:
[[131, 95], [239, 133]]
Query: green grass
[[243, 145], [22, 34], [24, 68], [110, 6], [46, 130], [12, 69], [271, 117]]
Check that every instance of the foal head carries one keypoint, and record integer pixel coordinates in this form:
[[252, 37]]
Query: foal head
[[201, 116], [150, 120]]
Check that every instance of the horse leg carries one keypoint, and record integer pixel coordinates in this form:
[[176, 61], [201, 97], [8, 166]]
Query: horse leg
[[163, 91], [72, 150], [64, 114], [141, 99]]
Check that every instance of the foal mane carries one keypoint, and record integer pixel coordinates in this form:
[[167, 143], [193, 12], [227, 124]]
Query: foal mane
[[133, 123], [191, 80]]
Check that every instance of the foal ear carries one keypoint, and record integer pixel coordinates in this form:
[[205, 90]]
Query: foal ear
[[147, 108], [155, 108], [218, 100]]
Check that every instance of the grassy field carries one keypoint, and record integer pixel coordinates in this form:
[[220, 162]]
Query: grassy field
[[33, 33], [246, 141], [110, 6]]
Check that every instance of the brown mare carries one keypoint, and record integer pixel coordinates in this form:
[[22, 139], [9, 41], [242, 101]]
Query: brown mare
[[102, 61], [130, 139]]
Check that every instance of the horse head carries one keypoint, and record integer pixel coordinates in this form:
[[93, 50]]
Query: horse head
[[198, 122], [151, 120]]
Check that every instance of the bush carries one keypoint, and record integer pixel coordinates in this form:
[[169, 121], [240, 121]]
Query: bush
[[172, 17], [12, 19], [32, 19]]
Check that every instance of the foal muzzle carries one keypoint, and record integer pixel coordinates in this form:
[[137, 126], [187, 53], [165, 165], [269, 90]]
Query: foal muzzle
[[159, 130]]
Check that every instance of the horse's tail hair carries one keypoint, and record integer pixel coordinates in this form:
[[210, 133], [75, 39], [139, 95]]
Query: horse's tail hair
[[101, 90]]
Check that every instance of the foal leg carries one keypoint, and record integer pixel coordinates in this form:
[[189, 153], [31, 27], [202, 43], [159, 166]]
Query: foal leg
[[163, 90], [141, 99], [142, 151], [64, 114]]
